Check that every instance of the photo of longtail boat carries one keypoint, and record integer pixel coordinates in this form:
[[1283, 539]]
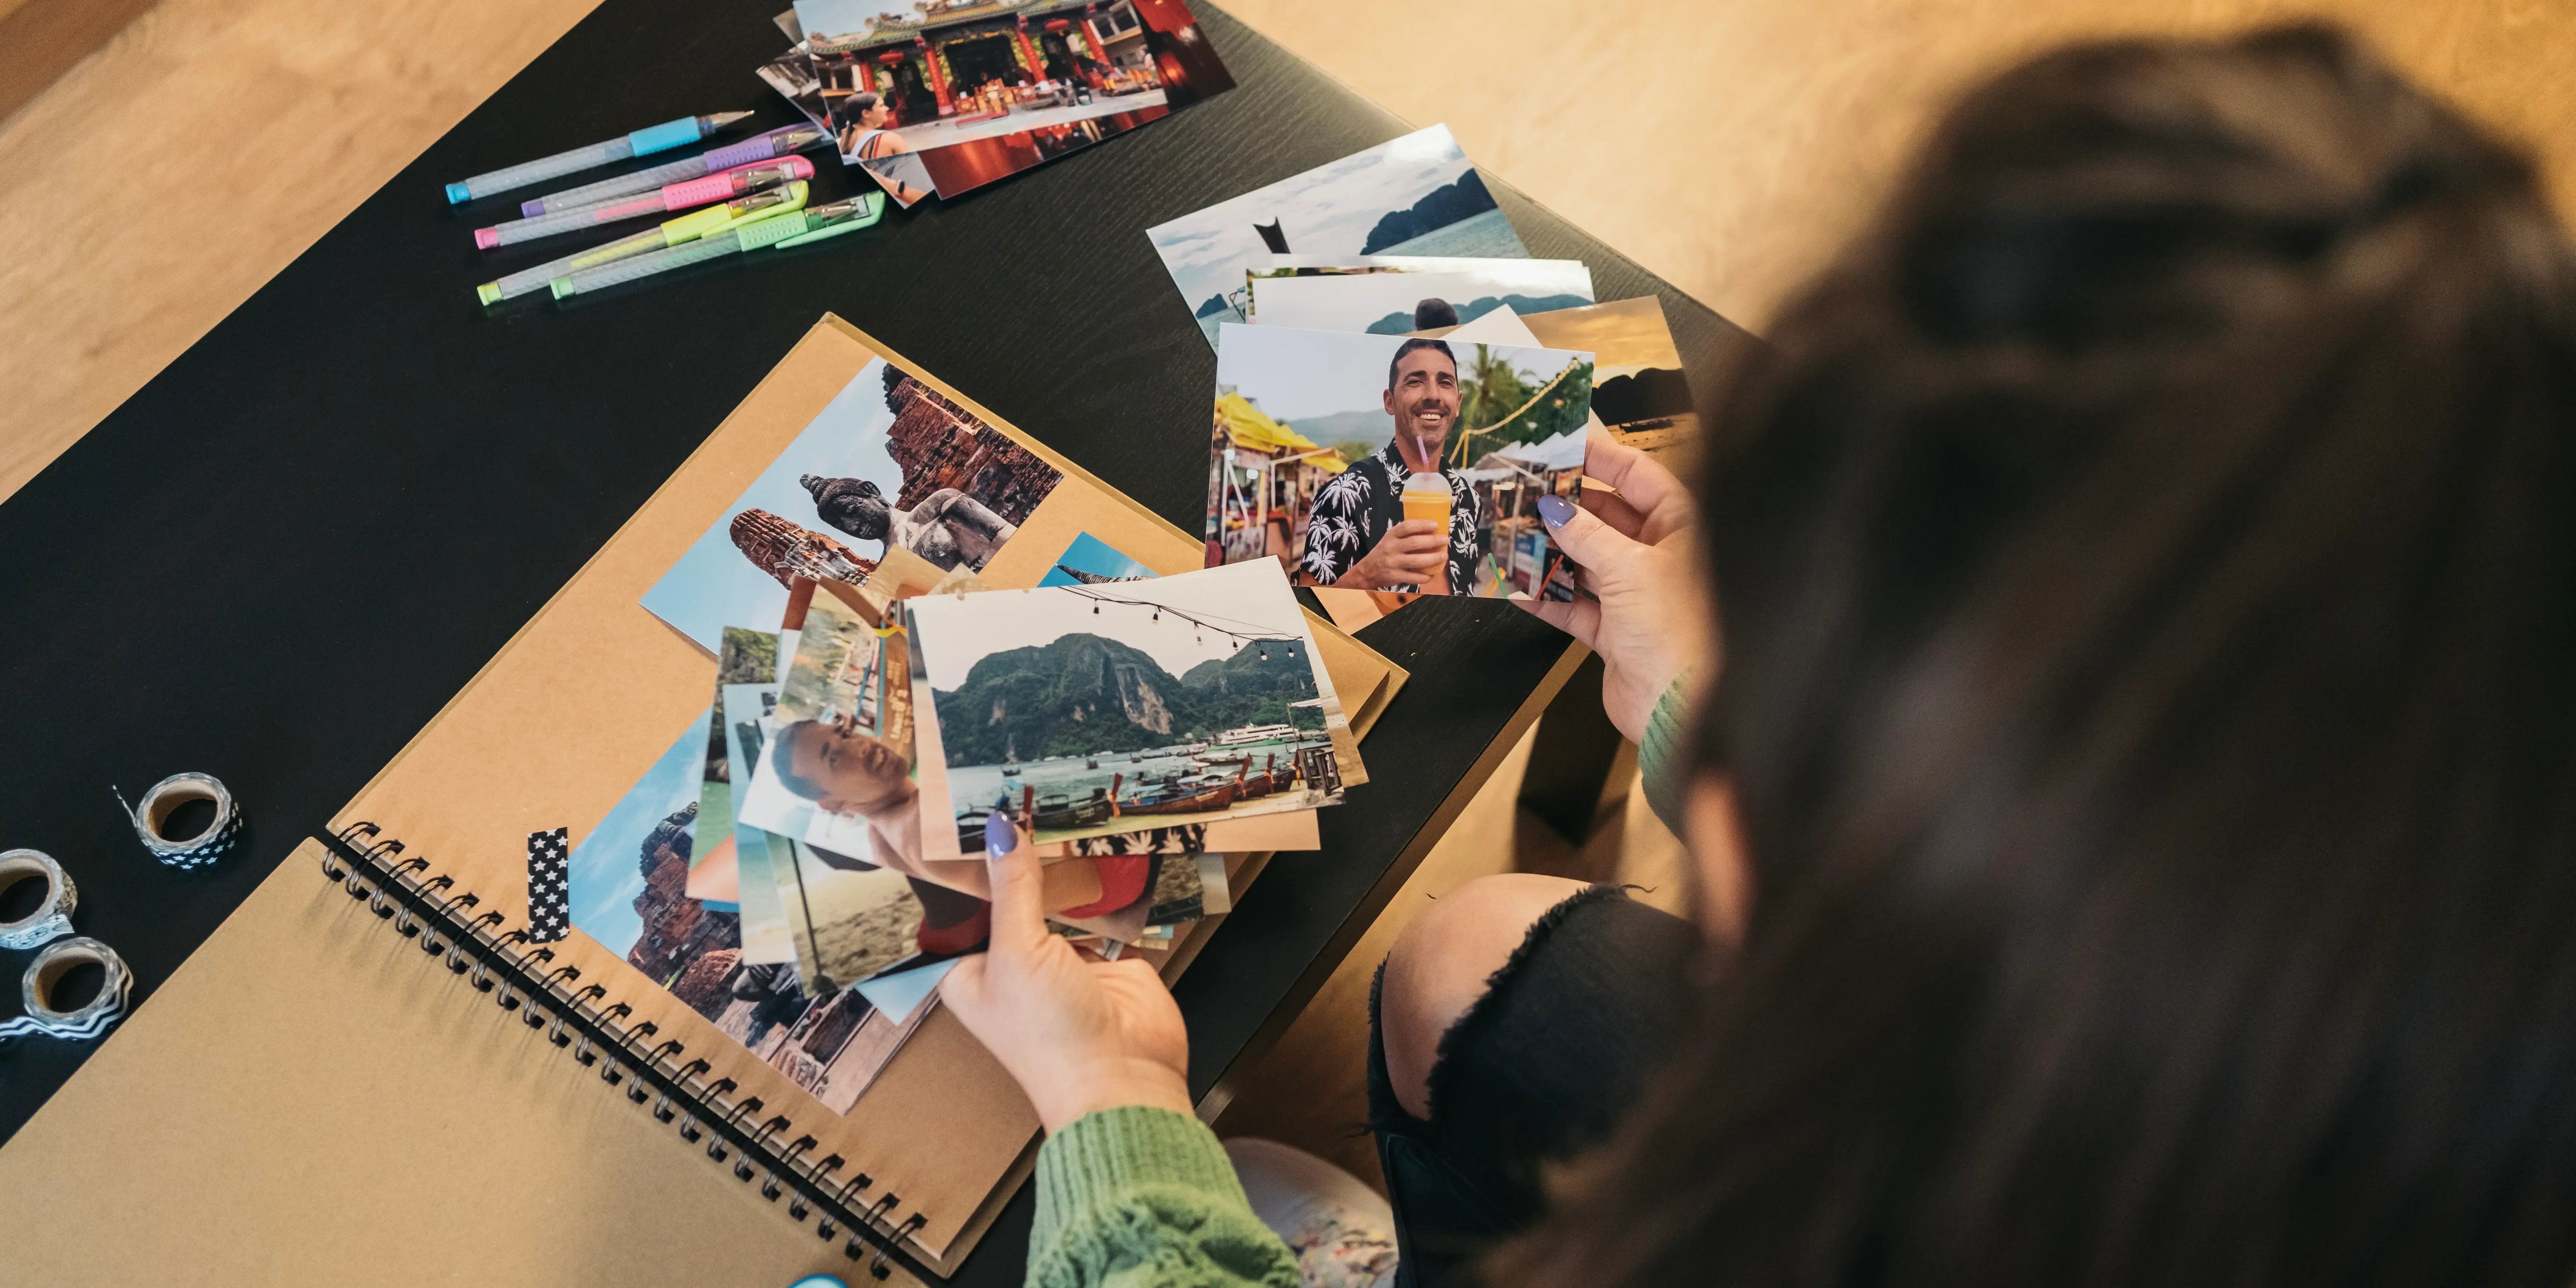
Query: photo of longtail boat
[[1179, 699]]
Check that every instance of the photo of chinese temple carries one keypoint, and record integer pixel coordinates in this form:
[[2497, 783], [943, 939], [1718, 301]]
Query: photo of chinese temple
[[960, 72]]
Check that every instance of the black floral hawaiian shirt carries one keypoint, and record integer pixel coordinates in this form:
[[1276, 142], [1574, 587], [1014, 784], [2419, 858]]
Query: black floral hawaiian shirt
[[1354, 511]]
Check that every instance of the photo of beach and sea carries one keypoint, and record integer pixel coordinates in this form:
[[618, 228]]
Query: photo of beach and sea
[[1118, 707], [1417, 195]]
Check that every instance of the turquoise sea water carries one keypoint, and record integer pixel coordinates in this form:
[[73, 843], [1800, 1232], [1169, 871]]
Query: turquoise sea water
[[1487, 236], [972, 788]]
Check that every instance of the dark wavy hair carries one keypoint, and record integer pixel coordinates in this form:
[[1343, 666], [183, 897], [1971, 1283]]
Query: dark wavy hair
[[2148, 561], [1395, 364]]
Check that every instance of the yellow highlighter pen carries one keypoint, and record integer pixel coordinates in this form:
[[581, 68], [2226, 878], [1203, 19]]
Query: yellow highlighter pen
[[687, 228]]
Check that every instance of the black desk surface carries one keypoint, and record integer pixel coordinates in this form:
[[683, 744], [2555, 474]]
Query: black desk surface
[[277, 560]]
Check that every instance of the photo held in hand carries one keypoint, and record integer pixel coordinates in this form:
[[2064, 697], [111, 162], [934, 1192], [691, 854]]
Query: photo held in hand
[[1331, 452], [1131, 706]]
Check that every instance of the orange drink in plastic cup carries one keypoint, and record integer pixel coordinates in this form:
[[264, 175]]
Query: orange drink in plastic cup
[[1426, 497]]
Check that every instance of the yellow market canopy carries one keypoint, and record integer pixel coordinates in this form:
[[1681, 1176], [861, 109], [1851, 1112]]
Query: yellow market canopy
[[1250, 428]]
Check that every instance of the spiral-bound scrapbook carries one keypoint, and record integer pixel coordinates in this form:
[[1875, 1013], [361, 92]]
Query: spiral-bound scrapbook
[[523, 977], [509, 1111]]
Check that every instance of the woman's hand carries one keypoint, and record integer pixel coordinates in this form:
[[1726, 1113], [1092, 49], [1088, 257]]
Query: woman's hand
[[1079, 1034], [1632, 552]]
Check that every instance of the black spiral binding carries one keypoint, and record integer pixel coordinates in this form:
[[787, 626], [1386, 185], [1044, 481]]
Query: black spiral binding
[[431, 911]]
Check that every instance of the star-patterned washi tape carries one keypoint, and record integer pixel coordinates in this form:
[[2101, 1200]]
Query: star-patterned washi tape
[[549, 885]]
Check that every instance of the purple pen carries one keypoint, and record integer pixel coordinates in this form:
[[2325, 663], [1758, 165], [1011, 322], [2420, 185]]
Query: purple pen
[[759, 147]]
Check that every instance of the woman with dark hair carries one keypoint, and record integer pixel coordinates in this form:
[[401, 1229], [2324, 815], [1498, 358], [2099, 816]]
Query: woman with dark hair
[[867, 138], [2134, 818]]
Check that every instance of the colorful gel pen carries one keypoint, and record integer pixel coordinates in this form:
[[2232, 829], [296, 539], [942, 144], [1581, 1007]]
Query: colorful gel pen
[[681, 231], [737, 182], [799, 228], [784, 140], [644, 142]]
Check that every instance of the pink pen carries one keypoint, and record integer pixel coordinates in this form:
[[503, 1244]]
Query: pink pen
[[724, 185]]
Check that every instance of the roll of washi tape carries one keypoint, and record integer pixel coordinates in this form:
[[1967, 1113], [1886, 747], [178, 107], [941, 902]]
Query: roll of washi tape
[[52, 919], [82, 1022], [152, 819]]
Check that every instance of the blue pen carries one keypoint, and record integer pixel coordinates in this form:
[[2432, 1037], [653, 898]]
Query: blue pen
[[644, 142]]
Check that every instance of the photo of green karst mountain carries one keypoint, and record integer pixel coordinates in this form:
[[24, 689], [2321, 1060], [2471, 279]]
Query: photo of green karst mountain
[[1085, 694]]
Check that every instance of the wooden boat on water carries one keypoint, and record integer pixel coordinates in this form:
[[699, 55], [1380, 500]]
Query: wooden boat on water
[[1250, 786], [1213, 798], [1060, 812], [1057, 812], [1185, 796]]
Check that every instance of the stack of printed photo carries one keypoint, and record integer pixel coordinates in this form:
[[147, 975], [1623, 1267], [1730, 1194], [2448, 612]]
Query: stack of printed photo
[[954, 94], [1399, 383], [919, 620], [904, 646]]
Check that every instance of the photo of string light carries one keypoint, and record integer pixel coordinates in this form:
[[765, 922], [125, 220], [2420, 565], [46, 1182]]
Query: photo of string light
[[1234, 629]]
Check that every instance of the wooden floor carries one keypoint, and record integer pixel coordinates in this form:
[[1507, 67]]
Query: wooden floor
[[1729, 145]]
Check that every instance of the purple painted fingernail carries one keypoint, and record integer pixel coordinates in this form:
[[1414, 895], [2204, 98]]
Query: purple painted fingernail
[[1555, 510], [1000, 837]]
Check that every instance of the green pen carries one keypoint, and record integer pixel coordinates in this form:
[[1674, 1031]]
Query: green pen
[[688, 228], [796, 228]]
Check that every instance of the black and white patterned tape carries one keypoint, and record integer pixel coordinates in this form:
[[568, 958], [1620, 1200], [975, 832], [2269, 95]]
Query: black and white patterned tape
[[152, 817], [549, 885], [82, 1022], [51, 919]]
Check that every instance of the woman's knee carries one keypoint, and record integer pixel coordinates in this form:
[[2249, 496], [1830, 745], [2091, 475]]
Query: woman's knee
[[1440, 966]]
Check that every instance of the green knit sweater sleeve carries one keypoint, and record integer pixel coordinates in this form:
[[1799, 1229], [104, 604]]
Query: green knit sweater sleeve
[[1660, 770], [1145, 1198]]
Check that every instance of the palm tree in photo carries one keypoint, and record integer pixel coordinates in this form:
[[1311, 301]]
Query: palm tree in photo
[[1489, 389]]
